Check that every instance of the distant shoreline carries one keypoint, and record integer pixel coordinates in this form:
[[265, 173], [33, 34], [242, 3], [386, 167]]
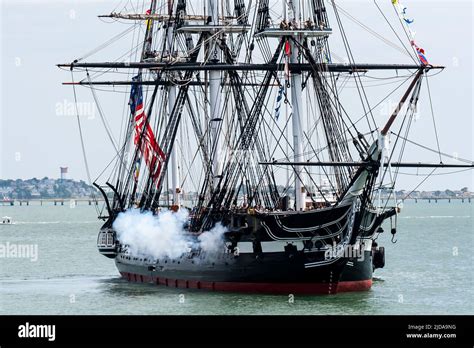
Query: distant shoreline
[[47, 189]]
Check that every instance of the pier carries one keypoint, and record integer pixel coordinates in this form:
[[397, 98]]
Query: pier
[[437, 199], [51, 201], [165, 201]]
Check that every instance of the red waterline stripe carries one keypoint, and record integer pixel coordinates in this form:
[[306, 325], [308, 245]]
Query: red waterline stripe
[[356, 285], [267, 288]]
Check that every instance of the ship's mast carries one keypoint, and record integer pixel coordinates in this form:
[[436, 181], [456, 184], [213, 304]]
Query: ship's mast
[[296, 101], [214, 88], [171, 101], [149, 32], [147, 44], [287, 114]]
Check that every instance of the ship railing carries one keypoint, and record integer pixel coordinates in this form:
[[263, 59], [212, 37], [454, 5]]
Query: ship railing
[[196, 29], [294, 32]]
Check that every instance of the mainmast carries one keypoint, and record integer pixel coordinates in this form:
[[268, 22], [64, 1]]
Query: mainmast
[[296, 101], [214, 87], [171, 102]]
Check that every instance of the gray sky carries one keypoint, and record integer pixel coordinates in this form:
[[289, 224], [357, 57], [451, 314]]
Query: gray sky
[[38, 134]]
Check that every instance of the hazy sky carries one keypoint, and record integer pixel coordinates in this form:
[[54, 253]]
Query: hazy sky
[[38, 134]]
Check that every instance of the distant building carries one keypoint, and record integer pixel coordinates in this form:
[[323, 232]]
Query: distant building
[[63, 172]]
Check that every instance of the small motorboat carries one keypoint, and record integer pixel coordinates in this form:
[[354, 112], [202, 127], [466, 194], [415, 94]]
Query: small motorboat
[[6, 220]]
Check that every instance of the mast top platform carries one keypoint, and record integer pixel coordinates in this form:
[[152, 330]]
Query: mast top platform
[[278, 32], [161, 17], [239, 28]]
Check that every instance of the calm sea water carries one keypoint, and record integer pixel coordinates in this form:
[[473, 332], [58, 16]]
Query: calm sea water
[[428, 271]]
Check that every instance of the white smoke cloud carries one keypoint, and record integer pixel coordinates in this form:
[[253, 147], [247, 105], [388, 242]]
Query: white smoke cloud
[[211, 241], [163, 235], [148, 235]]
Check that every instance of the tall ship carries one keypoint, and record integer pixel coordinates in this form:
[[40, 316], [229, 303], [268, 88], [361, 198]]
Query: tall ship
[[243, 162]]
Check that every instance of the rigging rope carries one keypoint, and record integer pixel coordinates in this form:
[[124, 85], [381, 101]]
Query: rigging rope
[[82, 142], [434, 121], [432, 150], [102, 117], [105, 44], [421, 183], [401, 49]]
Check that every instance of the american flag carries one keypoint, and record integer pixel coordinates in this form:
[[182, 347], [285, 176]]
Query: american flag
[[152, 153]]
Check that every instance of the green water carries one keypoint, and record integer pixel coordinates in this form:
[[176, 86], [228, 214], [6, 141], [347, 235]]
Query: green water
[[428, 271]]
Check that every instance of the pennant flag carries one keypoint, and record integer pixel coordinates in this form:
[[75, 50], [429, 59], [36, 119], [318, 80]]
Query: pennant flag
[[138, 163], [287, 48], [287, 72], [421, 53], [278, 102], [144, 137], [287, 62], [404, 13], [328, 58], [148, 21]]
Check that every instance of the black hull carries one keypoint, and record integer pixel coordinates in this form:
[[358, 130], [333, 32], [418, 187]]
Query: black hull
[[274, 273], [284, 253]]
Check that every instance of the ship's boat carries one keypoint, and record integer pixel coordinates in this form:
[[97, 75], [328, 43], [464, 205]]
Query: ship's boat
[[6, 220]]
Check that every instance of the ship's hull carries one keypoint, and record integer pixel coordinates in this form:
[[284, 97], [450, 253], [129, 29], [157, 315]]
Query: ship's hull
[[274, 273], [283, 253]]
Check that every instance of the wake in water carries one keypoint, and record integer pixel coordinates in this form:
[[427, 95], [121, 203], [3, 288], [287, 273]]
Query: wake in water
[[163, 235]]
